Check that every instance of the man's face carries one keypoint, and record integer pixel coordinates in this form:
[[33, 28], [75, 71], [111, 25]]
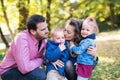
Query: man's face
[[42, 31]]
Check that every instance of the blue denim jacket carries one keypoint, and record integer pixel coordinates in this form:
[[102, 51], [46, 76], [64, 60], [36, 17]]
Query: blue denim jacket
[[83, 57]]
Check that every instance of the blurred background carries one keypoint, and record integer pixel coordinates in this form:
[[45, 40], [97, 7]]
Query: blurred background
[[14, 14]]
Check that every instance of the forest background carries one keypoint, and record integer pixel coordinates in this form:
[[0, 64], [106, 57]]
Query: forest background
[[14, 14]]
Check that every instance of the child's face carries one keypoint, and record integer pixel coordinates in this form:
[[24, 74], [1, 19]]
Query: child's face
[[87, 30], [59, 37]]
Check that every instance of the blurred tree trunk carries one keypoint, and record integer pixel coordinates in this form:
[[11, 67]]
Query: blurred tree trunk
[[23, 13], [41, 2], [3, 38], [112, 16], [6, 19], [48, 13]]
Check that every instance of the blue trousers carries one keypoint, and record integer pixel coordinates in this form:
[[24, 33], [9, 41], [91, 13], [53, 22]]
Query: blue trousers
[[14, 74]]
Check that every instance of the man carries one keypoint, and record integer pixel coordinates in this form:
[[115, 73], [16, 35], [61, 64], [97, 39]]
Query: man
[[25, 55]]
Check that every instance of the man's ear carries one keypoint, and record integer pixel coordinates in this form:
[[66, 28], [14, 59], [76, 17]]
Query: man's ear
[[33, 32]]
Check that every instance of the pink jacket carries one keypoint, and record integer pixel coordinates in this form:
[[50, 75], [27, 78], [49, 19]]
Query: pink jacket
[[23, 53]]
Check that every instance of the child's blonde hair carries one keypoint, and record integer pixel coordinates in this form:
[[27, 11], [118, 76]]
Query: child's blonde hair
[[90, 21], [56, 29]]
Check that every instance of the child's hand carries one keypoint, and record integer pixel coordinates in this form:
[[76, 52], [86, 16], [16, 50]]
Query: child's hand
[[62, 47]]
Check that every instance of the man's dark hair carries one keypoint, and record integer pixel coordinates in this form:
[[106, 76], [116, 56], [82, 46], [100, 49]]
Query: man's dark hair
[[34, 20]]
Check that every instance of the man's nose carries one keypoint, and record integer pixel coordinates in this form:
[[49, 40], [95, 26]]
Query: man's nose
[[47, 30]]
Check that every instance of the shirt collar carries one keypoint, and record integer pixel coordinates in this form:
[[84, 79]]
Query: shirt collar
[[35, 41], [92, 36]]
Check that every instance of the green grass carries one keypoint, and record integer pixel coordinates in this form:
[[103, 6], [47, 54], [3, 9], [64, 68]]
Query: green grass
[[2, 53], [109, 61]]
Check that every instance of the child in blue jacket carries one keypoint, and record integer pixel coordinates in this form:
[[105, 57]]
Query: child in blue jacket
[[56, 49]]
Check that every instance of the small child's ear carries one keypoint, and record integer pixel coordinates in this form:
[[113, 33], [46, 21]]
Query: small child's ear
[[96, 29], [51, 37]]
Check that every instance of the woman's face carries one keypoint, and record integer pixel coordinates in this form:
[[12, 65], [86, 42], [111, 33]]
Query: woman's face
[[69, 32]]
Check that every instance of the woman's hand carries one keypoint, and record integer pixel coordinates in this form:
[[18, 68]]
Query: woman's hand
[[92, 51], [58, 63]]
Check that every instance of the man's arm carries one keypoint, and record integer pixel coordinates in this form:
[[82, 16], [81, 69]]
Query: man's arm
[[22, 56]]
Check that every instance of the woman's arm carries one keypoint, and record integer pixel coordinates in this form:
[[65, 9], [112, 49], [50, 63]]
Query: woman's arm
[[95, 62]]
